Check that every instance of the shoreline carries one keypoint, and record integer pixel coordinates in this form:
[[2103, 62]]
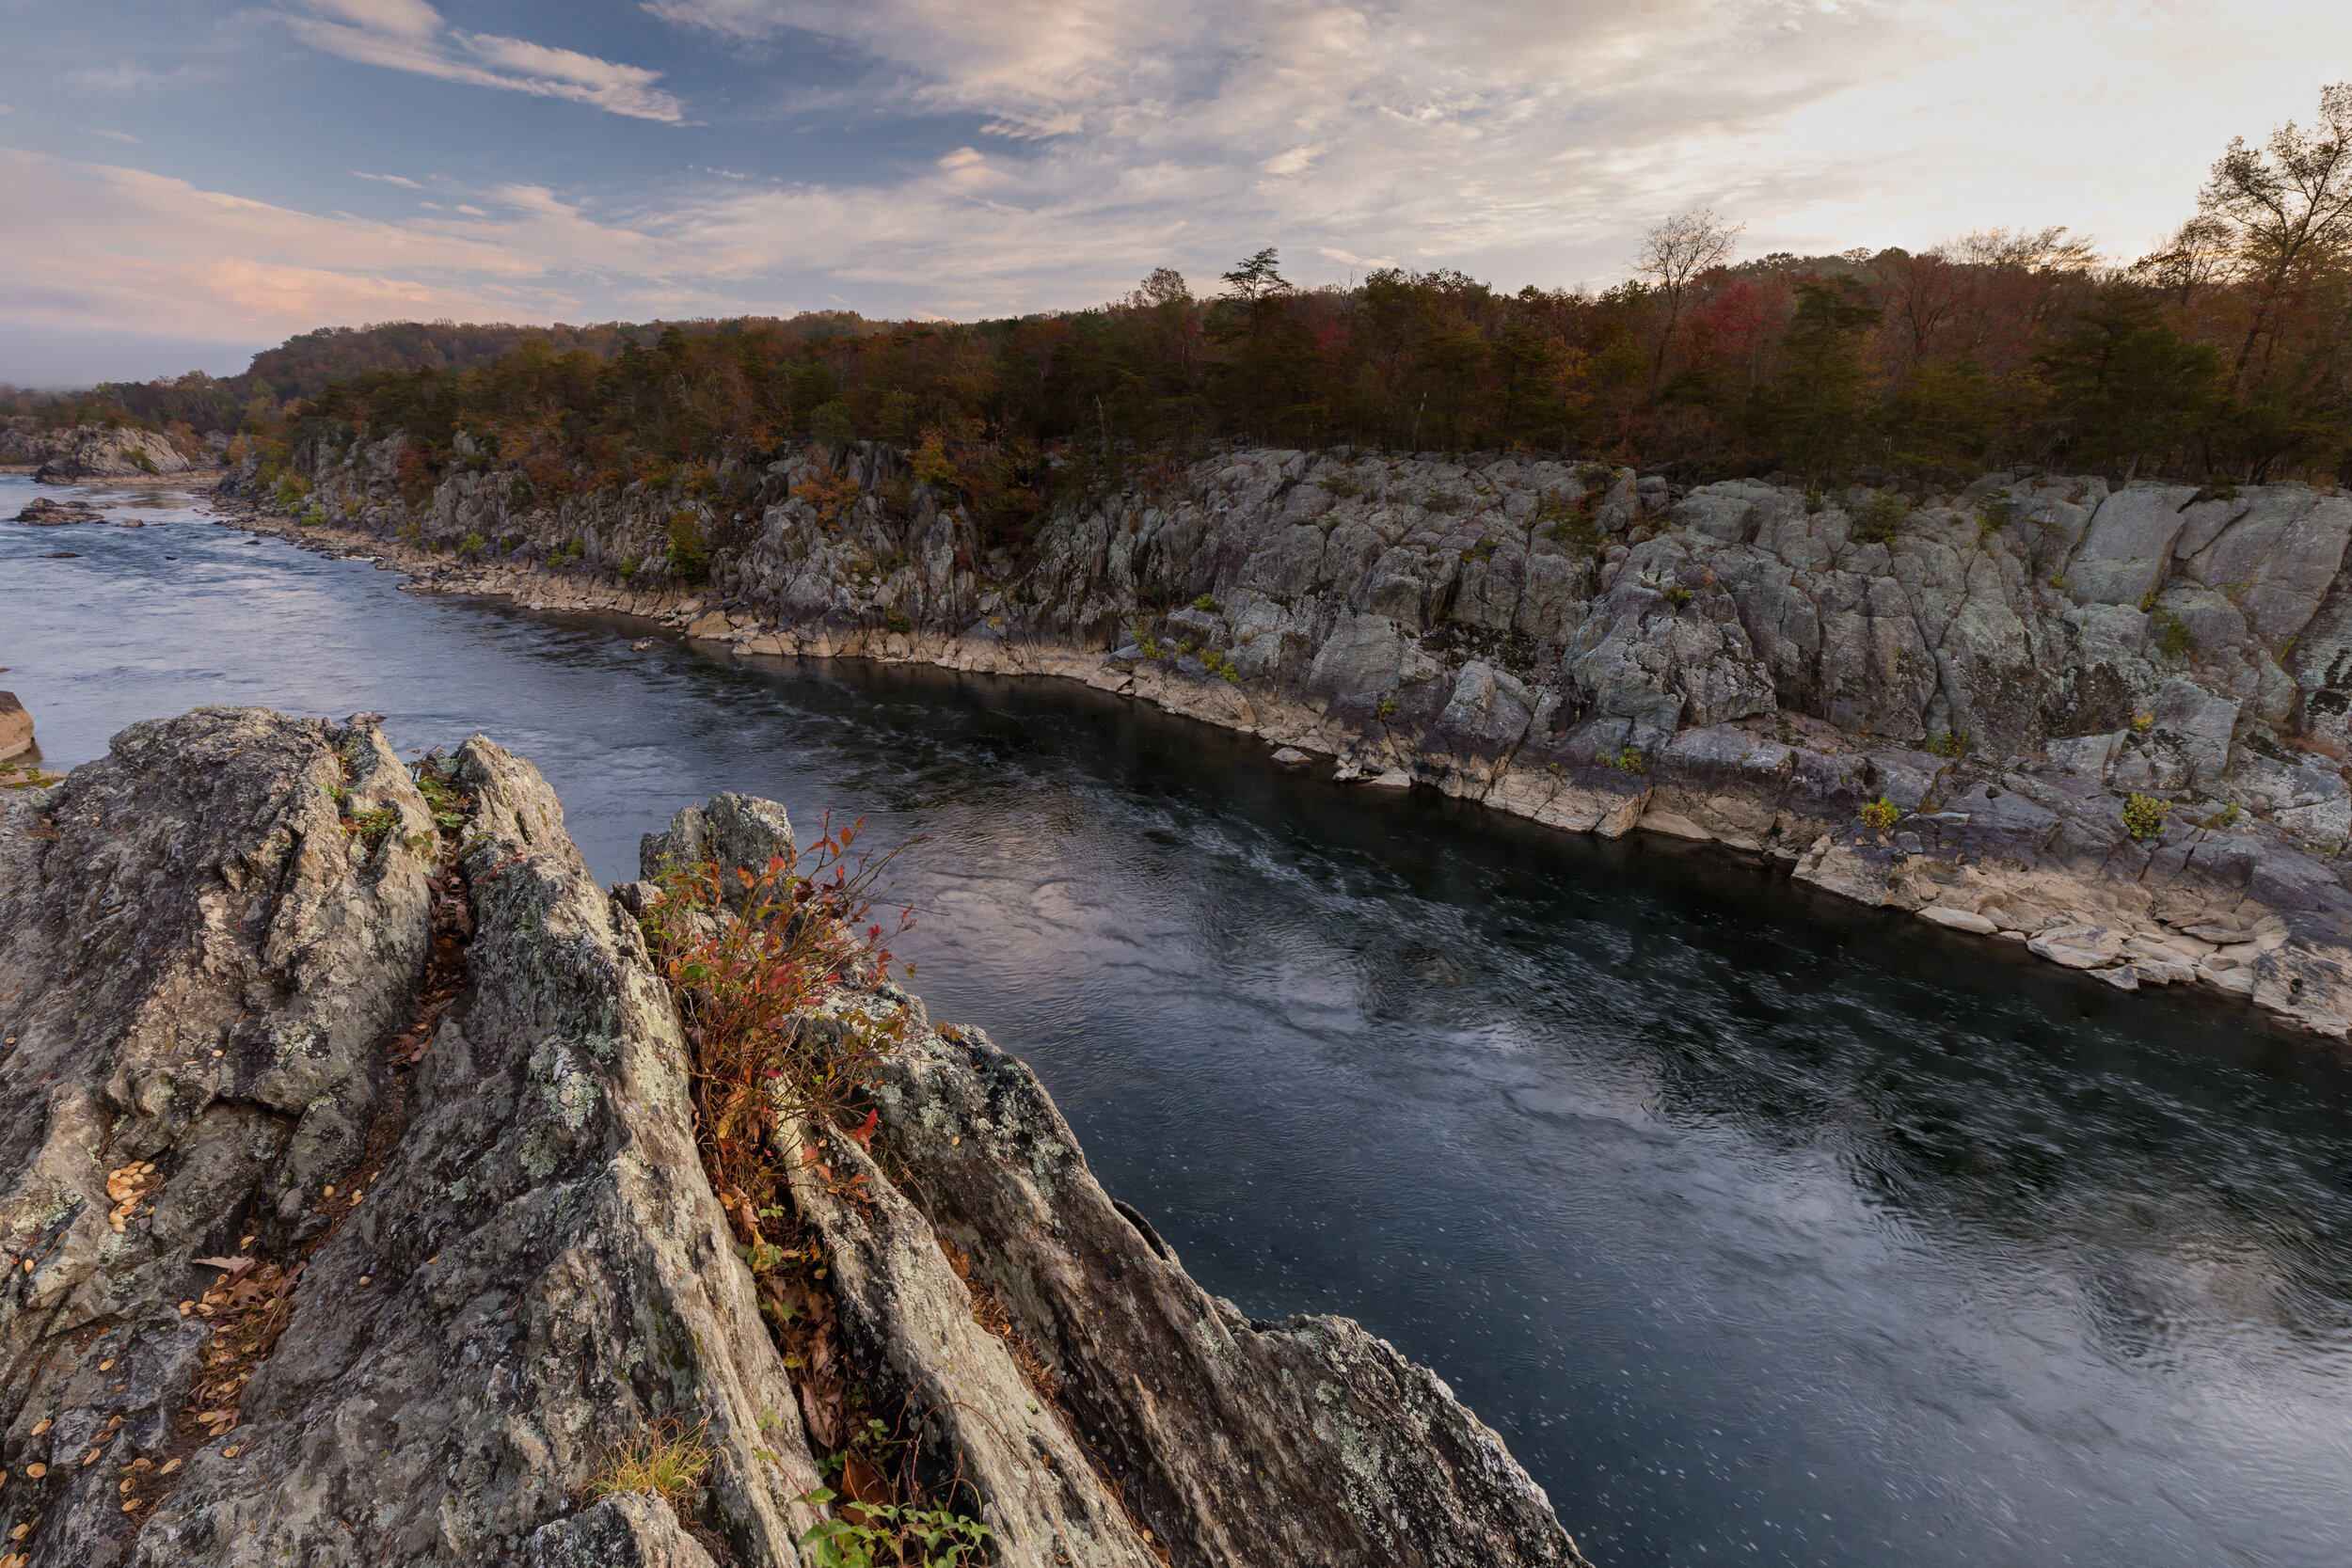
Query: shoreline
[[197, 482], [2002, 855]]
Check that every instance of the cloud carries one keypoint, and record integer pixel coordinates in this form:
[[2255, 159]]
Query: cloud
[[1536, 139], [409, 35], [387, 179], [119, 135]]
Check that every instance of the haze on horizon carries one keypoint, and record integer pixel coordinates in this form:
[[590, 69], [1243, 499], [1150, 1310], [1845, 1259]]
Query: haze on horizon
[[188, 181]]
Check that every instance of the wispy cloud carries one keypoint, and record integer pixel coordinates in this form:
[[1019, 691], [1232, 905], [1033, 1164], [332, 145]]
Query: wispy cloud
[[409, 35], [119, 135], [1537, 137], [387, 178]]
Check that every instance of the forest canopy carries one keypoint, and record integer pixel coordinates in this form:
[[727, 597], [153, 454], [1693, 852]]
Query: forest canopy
[[2224, 353]]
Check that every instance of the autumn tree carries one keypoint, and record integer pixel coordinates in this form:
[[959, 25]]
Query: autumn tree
[[2287, 204], [1673, 256]]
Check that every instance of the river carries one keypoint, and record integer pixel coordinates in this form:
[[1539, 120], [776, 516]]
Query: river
[[1764, 1227]]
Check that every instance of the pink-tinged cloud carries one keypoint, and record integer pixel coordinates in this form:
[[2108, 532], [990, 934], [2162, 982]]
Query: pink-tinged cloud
[[409, 35]]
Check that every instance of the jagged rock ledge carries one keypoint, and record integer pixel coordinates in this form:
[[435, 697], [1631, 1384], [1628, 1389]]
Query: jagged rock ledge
[[1745, 663], [351, 1211]]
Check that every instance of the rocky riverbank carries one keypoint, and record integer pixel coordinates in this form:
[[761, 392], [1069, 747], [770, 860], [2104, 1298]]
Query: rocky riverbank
[[113, 454], [1944, 704], [352, 1210]]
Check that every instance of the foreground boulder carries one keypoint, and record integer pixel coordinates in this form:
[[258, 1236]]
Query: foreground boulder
[[351, 1211]]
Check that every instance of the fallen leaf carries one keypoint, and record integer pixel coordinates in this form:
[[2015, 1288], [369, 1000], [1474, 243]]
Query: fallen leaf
[[169, 1466], [35, 1471], [42, 1430], [232, 1450], [106, 1366], [236, 1267]]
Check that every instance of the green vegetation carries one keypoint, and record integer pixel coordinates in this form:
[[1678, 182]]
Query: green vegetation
[[2143, 816], [688, 555], [887, 1535], [1950, 743], [1882, 813], [2169, 633], [1877, 519]]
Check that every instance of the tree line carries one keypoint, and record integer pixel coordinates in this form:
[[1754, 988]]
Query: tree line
[[2223, 354]]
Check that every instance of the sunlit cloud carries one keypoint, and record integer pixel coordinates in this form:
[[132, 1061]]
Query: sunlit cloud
[[967, 157], [409, 35]]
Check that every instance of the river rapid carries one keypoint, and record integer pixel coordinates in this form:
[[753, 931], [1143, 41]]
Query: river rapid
[[1764, 1227]]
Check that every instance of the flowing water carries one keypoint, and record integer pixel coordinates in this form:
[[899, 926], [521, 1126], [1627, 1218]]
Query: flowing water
[[1764, 1227]]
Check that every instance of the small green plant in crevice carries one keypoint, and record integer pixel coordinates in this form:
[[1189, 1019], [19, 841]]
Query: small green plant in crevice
[[474, 544], [371, 828], [1814, 499], [1387, 710], [444, 799], [568, 551], [1996, 510], [1879, 518], [1205, 602], [2144, 815], [2170, 633], [1949, 743], [1626, 758], [1676, 594], [896, 621], [666, 1461], [1483, 550], [2143, 722], [891, 1535], [688, 555], [628, 566], [1573, 522], [2226, 817], [2059, 581], [1881, 813]]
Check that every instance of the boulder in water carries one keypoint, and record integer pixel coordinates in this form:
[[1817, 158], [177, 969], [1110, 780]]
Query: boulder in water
[[41, 512], [16, 727]]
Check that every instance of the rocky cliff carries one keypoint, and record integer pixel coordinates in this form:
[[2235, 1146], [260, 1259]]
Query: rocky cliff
[[1943, 704], [352, 1211], [92, 452]]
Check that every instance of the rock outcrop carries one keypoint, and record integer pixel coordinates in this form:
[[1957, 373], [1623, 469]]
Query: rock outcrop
[[351, 1211], [92, 452], [16, 727], [41, 512], [1752, 663]]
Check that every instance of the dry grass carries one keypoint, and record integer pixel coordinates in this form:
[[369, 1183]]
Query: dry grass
[[666, 1460]]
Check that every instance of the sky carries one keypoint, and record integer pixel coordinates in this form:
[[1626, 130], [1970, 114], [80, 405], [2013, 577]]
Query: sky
[[183, 182]]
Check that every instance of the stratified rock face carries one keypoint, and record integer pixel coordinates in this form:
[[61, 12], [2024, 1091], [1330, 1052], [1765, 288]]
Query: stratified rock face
[[92, 452], [197, 968], [1745, 662], [507, 1261], [539, 1270]]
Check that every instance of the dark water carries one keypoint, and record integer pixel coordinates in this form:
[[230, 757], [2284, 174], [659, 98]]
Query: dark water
[[1764, 1229]]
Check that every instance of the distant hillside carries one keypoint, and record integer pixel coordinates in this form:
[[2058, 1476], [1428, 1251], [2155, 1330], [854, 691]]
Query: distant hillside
[[305, 366]]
